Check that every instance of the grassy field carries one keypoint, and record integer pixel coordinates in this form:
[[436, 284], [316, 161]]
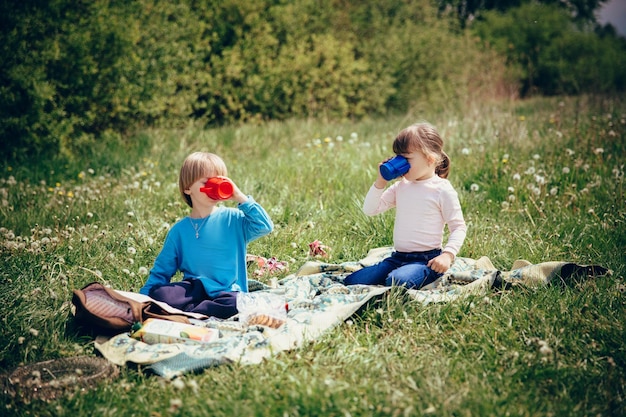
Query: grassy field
[[541, 180]]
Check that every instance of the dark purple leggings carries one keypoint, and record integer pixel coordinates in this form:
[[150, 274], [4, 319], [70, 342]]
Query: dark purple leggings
[[189, 295]]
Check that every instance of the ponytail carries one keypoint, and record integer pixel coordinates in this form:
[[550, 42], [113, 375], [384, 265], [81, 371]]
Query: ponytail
[[443, 168]]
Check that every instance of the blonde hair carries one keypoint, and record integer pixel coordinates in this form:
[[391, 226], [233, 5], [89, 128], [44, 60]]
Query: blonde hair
[[199, 165], [425, 138]]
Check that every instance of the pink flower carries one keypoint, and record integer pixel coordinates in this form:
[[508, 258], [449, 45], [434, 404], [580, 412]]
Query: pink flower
[[316, 248]]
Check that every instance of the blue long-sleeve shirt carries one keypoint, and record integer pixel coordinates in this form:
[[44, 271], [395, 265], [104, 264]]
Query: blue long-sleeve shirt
[[218, 256]]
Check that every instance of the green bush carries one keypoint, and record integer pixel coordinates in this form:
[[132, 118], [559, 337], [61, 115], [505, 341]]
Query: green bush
[[553, 55], [63, 68], [76, 73]]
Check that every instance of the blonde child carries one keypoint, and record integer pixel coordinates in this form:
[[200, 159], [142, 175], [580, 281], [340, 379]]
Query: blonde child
[[208, 246]]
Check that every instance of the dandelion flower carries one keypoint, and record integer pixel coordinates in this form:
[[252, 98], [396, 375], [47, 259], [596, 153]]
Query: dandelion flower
[[131, 250], [598, 151], [545, 350], [540, 180], [517, 177], [474, 187], [143, 271], [554, 191], [465, 151], [175, 403], [566, 170]]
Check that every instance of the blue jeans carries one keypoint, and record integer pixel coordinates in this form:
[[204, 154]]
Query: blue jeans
[[404, 269]]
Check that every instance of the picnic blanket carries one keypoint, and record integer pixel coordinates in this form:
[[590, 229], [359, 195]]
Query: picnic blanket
[[317, 301]]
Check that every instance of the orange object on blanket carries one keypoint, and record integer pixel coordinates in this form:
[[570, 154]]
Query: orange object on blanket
[[164, 331]]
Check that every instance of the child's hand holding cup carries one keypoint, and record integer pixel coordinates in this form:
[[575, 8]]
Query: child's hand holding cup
[[218, 188], [394, 167]]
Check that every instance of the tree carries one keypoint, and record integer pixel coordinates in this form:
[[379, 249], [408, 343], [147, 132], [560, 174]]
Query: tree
[[467, 10]]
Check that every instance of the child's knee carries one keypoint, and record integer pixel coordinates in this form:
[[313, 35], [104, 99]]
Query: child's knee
[[409, 278]]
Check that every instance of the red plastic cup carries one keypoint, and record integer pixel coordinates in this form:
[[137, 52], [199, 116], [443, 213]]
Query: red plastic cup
[[218, 188]]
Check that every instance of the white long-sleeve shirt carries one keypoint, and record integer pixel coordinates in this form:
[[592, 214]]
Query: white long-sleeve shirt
[[423, 208]]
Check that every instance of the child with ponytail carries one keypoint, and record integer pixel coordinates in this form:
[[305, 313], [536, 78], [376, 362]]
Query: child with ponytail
[[425, 202]]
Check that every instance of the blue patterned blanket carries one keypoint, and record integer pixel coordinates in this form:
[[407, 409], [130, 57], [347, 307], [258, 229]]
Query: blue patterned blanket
[[317, 301]]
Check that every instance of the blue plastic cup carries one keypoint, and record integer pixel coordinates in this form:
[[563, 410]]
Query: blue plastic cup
[[393, 168]]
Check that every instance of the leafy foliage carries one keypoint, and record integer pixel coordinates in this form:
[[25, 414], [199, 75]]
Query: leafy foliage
[[74, 74], [552, 53]]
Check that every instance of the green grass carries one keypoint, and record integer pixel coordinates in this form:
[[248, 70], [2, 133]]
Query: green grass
[[540, 180]]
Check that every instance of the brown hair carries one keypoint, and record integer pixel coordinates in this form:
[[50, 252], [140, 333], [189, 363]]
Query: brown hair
[[425, 138], [199, 165]]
